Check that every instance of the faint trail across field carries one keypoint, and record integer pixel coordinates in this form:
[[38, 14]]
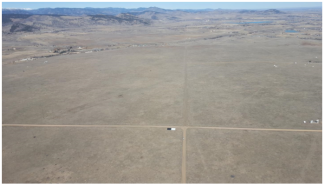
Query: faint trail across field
[[150, 126]]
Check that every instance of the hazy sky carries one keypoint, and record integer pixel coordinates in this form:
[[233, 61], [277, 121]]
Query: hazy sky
[[167, 5]]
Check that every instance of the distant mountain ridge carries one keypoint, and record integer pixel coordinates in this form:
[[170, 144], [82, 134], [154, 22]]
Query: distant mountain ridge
[[91, 11], [49, 19], [134, 11], [269, 11], [37, 22]]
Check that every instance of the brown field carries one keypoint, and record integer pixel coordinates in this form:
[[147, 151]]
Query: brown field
[[237, 94]]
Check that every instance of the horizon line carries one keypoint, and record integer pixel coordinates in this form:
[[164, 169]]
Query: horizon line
[[171, 9]]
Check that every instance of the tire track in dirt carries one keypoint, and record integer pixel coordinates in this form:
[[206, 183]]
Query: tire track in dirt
[[165, 126]]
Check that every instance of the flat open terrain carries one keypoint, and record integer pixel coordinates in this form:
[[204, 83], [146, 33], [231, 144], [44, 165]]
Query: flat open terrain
[[238, 104], [216, 156], [91, 155]]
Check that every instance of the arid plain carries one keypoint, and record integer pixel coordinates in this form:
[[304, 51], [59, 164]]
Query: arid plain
[[93, 104]]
